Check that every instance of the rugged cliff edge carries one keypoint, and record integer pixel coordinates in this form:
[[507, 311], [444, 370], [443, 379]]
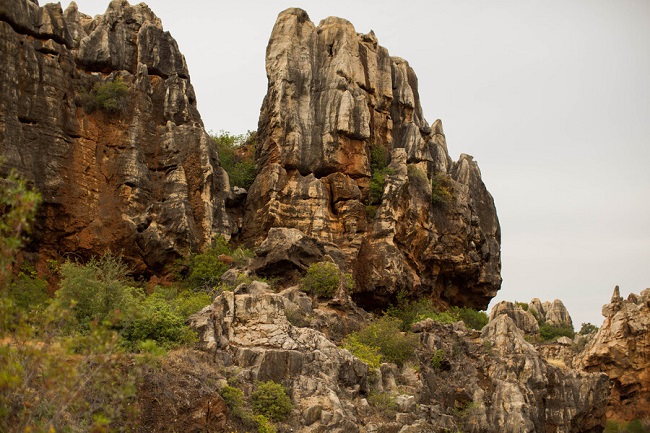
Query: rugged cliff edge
[[141, 179], [346, 157], [621, 349]]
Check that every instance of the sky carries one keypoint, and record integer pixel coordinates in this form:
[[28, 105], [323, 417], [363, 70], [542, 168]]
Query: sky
[[552, 98]]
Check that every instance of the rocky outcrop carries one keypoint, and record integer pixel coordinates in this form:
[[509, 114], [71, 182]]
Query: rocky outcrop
[[621, 349], [553, 313], [460, 380], [341, 118], [141, 178], [523, 319]]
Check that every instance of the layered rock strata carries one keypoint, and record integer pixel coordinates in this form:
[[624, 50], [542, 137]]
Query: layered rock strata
[[346, 157], [139, 178], [621, 349]]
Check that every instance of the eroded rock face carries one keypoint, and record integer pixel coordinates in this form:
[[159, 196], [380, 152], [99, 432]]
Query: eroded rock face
[[460, 380], [621, 349], [524, 320], [544, 397], [334, 98], [144, 182]]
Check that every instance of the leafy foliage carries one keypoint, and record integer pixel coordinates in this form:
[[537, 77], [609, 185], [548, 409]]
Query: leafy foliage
[[378, 172], [110, 97], [384, 401], [438, 358], [206, 268], [237, 156], [412, 311], [523, 305], [27, 290], [441, 189], [18, 204], [323, 278], [385, 337], [366, 353], [271, 400], [549, 332], [587, 328], [634, 426]]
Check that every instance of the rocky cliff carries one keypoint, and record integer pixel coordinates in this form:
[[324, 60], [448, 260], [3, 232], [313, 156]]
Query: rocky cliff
[[621, 349], [346, 157], [100, 115], [460, 380]]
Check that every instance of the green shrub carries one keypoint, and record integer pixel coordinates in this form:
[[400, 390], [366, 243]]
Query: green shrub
[[441, 189], [634, 426], [237, 156], [523, 305], [379, 158], [438, 358], [549, 332], [264, 425], [206, 269], [377, 185], [110, 97], [94, 291], [18, 204], [385, 336], [366, 353], [234, 397], [412, 311], [27, 290], [384, 401], [271, 400], [587, 328], [473, 319], [156, 320], [322, 279]]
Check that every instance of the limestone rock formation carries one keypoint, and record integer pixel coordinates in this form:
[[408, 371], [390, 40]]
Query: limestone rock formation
[[621, 349], [524, 320], [138, 177], [346, 157], [553, 313], [489, 382]]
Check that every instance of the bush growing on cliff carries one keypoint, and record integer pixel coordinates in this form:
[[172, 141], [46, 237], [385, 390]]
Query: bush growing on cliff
[[385, 337], [18, 204], [587, 328], [98, 293], [110, 97], [379, 171], [548, 332], [441, 189], [270, 399], [323, 278], [206, 269], [412, 311], [237, 156]]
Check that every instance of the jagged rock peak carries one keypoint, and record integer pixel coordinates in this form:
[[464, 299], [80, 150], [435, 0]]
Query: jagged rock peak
[[346, 157], [621, 349], [139, 177]]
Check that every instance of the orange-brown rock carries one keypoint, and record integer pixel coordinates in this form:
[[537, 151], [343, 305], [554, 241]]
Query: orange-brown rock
[[142, 181], [621, 349], [334, 98]]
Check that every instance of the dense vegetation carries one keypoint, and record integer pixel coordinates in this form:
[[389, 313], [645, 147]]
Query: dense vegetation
[[111, 97], [237, 156]]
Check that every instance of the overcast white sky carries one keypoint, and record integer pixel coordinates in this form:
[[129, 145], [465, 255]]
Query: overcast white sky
[[551, 97]]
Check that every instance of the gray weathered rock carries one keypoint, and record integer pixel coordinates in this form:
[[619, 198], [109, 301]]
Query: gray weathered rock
[[144, 182], [334, 98]]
